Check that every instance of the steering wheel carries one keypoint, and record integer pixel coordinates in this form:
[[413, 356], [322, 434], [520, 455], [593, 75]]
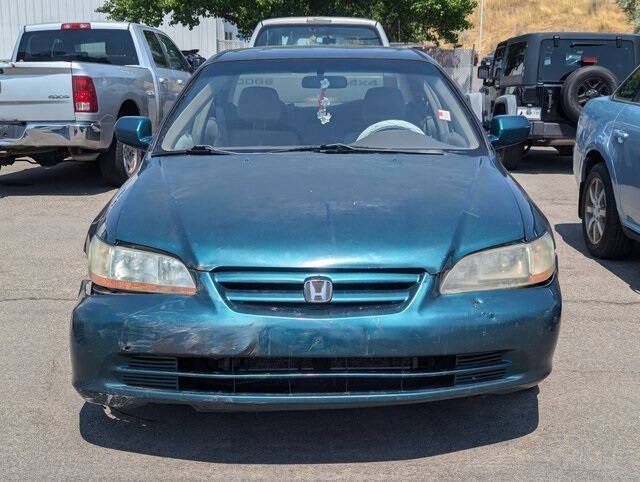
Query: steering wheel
[[388, 125]]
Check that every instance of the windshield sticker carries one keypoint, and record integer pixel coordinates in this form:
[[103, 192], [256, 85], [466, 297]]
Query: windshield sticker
[[444, 115], [323, 102]]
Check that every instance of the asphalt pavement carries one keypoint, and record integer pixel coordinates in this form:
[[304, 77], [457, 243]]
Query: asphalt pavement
[[582, 422]]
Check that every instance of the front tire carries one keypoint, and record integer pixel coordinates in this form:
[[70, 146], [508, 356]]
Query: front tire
[[601, 227], [119, 163]]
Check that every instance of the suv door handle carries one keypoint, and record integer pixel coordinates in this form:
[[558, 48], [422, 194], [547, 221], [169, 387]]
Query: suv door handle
[[179, 81], [620, 135], [162, 80]]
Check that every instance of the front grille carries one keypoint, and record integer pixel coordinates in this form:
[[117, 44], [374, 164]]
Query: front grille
[[484, 376], [478, 359], [249, 290], [293, 375], [241, 365], [149, 380], [166, 363]]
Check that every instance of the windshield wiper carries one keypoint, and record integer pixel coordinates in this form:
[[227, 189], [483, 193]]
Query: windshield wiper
[[198, 150], [341, 148]]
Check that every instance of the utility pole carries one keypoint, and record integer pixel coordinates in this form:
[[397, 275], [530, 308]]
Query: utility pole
[[481, 19]]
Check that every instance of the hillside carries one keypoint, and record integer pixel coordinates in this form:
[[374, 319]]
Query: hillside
[[506, 18]]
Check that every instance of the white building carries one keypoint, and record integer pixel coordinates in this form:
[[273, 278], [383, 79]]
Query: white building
[[210, 36]]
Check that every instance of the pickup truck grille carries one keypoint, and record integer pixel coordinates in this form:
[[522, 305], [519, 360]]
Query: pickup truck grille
[[248, 290]]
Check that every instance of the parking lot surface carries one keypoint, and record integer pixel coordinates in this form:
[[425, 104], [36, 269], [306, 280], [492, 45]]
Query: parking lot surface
[[582, 421]]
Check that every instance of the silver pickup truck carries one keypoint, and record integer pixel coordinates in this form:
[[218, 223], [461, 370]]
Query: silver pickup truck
[[67, 84]]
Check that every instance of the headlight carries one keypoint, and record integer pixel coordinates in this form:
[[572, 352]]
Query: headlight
[[128, 269], [507, 267]]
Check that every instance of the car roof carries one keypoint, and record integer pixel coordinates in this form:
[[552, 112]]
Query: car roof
[[271, 53], [318, 20], [536, 36]]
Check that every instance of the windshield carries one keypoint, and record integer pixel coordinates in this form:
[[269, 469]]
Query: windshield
[[333, 35], [267, 104], [556, 62], [90, 45]]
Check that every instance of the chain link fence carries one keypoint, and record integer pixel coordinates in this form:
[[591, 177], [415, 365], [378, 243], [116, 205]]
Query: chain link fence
[[458, 63]]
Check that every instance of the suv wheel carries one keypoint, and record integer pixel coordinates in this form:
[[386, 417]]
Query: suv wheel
[[119, 163], [583, 85], [601, 226], [510, 157]]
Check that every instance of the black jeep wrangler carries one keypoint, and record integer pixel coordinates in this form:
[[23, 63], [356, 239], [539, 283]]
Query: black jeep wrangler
[[549, 77]]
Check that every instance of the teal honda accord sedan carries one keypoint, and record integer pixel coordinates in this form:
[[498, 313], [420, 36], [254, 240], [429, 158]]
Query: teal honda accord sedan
[[316, 228]]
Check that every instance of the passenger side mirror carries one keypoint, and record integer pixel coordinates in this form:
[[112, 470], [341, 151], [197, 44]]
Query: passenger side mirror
[[134, 131], [508, 130], [483, 72]]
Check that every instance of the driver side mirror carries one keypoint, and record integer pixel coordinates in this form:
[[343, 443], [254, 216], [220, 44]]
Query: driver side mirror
[[483, 72], [134, 131], [508, 130]]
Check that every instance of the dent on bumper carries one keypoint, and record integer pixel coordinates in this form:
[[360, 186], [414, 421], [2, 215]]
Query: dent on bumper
[[523, 324], [86, 135]]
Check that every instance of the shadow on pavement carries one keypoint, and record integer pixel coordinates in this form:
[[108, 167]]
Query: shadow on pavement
[[336, 436], [627, 270], [545, 161], [65, 179]]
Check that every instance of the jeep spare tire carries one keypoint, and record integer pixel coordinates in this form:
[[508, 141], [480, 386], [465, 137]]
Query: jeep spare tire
[[583, 85]]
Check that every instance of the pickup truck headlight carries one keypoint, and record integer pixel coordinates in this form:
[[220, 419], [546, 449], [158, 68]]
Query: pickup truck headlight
[[511, 266], [128, 269]]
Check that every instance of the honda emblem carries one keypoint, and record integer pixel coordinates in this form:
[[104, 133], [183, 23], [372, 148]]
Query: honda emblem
[[318, 290]]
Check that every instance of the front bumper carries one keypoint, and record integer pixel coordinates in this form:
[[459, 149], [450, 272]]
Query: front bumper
[[33, 137], [108, 329]]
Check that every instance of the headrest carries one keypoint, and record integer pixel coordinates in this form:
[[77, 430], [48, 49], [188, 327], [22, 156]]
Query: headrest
[[382, 103], [113, 48], [40, 45], [259, 104]]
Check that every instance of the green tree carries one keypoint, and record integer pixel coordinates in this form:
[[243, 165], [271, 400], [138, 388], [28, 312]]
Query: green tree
[[632, 9], [404, 20]]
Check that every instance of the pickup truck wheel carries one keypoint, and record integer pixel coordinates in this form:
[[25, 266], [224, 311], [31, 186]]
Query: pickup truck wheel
[[119, 163], [601, 226], [583, 85], [511, 156]]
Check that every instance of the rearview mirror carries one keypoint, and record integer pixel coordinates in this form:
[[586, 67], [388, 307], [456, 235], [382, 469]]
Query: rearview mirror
[[508, 130], [483, 72], [134, 131], [314, 81]]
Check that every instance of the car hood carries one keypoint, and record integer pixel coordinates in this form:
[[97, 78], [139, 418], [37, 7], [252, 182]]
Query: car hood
[[303, 210]]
